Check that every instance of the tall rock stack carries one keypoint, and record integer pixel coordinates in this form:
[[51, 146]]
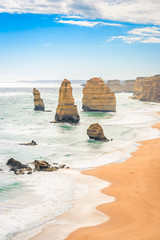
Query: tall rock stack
[[66, 110], [38, 101], [128, 86], [98, 97], [114, 85], [147, 89]]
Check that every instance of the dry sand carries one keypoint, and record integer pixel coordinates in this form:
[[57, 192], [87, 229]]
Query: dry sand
[[135, 215]]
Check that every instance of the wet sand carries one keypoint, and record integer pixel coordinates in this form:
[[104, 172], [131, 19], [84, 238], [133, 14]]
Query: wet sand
[[135, 183]]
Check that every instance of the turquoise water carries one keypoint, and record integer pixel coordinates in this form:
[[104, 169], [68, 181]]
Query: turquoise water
[[34, 199]]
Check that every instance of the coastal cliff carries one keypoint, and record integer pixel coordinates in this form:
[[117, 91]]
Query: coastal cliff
[[98, 97], [115, 86], [38, 101], [147, 89], [66, 110], [128, 86]]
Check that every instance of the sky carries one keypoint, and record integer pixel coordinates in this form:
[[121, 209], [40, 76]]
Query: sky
[[79, 39]]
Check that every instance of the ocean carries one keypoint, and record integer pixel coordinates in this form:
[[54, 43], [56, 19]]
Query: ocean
[[29, 201]]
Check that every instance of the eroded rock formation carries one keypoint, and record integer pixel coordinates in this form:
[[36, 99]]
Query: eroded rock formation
[[95, 132], [66, 110], [147, 89], [128, 86], [38, 101], [98, 97], [115, 86]]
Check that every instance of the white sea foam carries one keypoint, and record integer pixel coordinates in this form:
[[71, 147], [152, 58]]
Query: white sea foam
[[41, 197], [34, 199]]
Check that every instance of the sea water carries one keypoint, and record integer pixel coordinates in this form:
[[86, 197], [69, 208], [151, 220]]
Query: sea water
[[28, 201]]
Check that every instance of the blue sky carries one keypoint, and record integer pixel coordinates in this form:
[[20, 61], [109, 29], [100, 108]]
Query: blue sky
[[50, 40]]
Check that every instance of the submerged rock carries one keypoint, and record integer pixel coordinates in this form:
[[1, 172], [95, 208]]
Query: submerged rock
[[95, 132], [147, 89], [14, 164], [66, 110], [38, 101], [98, 97], [32, 143]]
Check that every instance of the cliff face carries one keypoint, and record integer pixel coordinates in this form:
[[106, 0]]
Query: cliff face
[[38, 101], [115, 86], [98, 97], [128, 86], [147, 89], [66, 110]]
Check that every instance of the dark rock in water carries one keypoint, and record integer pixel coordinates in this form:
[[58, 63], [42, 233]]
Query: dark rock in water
[[44, 166], [33, 143], [95, 132], [19, 169], [39, 165], [38, 101], [14, 164], [1, 169]]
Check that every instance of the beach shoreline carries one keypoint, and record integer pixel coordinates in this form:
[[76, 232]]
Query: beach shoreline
[[137, 204], [64, 224], [135, 214]]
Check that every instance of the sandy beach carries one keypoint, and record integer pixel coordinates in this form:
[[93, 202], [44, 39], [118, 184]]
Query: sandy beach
[[135, 214], [135, 184]]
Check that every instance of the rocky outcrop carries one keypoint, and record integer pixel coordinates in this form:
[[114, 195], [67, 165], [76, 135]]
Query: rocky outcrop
[[44, 166], [38, 101], [95, 132], [15, 164], [66, 110], [19, 169], [147, 89], [115, 86], [32, 143], [98, 97], [128, 86]]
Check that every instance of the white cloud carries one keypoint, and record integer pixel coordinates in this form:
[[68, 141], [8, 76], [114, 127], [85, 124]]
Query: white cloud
[[151, 40], [73, 17], [143, 35], [135, 11], [146, 31], [87, 23]]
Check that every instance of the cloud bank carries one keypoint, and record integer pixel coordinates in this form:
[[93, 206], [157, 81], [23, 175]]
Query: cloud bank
[[142, 35], [133, 11], [88, 23]]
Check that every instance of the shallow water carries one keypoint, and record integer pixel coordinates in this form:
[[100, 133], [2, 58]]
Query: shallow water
[[34, 199]]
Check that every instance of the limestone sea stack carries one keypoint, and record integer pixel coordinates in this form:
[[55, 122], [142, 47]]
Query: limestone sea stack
[[66, 110], [128, 86], [98, 97], [115, 86], [147, 89], [38, 101], [95, 132]]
